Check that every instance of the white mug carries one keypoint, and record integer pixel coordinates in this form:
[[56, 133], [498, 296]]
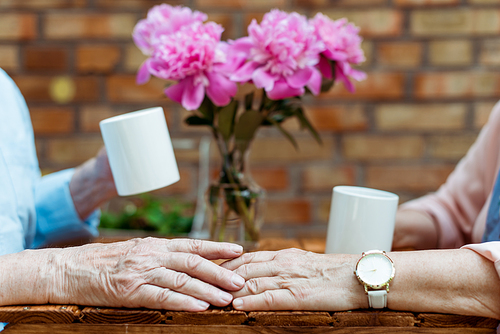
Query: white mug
[[361, 219], [140, 151]]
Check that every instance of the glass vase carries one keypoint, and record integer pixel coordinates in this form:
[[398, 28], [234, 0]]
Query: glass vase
[[236, 203]]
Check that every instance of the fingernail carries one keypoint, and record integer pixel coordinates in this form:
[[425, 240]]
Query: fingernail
[[237, 281], [226, 297], [203, 304], [236, 249], [237, 303]]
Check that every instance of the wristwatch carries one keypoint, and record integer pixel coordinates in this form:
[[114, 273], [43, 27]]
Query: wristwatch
[[375, 270]]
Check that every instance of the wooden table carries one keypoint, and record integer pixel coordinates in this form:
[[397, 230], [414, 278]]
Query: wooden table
[[52, 319]]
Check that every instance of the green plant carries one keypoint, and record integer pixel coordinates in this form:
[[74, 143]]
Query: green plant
[[165, 216]]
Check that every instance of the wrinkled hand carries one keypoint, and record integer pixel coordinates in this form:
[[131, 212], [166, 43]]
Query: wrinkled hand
[[154, 273], [294, 279]]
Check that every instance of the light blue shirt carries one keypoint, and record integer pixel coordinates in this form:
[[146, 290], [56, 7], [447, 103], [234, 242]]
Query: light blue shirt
[[34, 210]]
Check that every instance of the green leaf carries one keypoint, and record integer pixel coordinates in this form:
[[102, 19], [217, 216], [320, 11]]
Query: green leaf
[[226, 119], [245, 128], [207, 109], [304, 122], [197, 120], [249, 101], [326, 84], [284, 132]]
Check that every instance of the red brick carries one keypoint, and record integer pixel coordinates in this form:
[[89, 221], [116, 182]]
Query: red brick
[[409, 178], [45, 58], [400, 54], [18, 26], [90, 116], [373, 22], [450, 53], [450, 147], [287, 211], [123, 88], [183, 186], [490, 52], [52, 120], [38, 88], [322, 178], [44, 4], [71, 26], [133, 58], [484, 2], [337, 118], [238, 4], [9, 57], [367, 47], [426, 117], [226, 21], [97, 58], [134, 4], [271, 179], [186, 150], [377, 86], [280, 150], [463, 21], [376, 147], [327, 3], [482, 112], [72, 151], [426, 3], [248, 17], [457, 84]]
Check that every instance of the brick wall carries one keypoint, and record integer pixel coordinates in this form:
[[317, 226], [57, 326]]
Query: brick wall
[[432, 80]]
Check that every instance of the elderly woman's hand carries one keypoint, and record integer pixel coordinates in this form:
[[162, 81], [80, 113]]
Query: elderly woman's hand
[[294, 279], [154, 273]]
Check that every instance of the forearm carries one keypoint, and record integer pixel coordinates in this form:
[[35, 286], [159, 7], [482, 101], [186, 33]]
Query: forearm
[[26, 277], [92, 185], [415, 230], [446, 281]]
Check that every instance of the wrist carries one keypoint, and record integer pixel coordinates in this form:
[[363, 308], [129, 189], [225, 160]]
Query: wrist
[[359, 297], [90, 187], [26, 277], [415, 230], [354, 297]]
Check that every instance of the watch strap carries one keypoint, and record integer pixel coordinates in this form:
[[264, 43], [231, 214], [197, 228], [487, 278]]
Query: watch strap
[[377, 298]]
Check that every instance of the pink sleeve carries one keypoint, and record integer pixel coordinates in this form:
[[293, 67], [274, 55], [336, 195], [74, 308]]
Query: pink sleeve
[[457, 203], [490, 250]]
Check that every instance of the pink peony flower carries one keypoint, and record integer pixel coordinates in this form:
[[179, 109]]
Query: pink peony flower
[[195, 57], [163, 20], [282, 53], [343, 45]]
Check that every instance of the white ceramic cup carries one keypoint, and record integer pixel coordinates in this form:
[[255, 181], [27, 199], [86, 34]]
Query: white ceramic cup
[[140, 151], [361, 219]]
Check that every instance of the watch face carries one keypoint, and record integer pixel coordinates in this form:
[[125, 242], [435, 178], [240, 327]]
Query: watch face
[[375, 269]]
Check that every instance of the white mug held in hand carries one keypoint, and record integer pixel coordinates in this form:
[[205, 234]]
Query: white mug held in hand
[[361, 219], [140, 151]]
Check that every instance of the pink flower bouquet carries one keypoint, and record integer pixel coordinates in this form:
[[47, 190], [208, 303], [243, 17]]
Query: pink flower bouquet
[[284, 56]]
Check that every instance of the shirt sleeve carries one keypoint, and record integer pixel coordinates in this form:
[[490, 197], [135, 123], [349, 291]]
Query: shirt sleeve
[[57, 219], [12, 239], [490, 250], [458, 202]]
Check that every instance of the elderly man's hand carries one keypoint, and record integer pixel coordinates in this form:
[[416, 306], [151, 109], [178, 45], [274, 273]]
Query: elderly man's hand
[[154, 273], [294, 279], [92, 184]]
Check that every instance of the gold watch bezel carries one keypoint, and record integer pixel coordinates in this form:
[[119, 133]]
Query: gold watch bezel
[[375, 286]]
